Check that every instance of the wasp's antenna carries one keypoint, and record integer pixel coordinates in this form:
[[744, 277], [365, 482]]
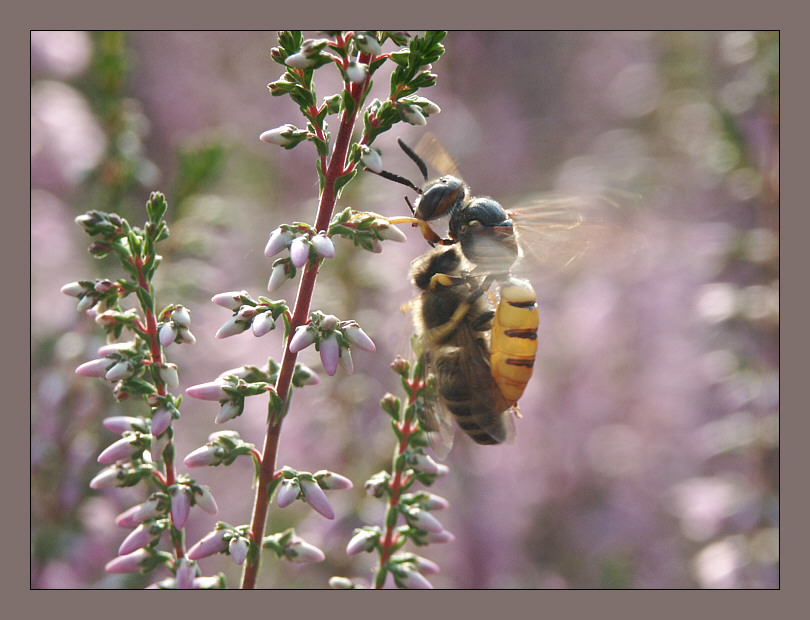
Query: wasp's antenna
[[397, 179], [416, 159]]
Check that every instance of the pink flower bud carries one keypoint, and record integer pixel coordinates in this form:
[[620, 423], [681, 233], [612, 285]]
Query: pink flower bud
[[203, 456], [231, 327], [228, 411], [151, 508], [346, 362], [128, 563], [210, 544], [208, 391], [231, 300], [341, 583], [238, 548], [279, 239], [262, 324], [330, 351], [358, 338], [299, 252], [186, 572], [440, 537], [362, 541], [302, 338], [120, 424], [298, 550], [124, 448], [115, 347], [331, 481], [137, 539], [107, 478], [413, 580], [161, 420], [316, 498], [126, 518], [167, 334], [287, 492], [181, 506], [425, 566], [95, 368], [323, 245], [424, 520], [205, 500], [434, 502]]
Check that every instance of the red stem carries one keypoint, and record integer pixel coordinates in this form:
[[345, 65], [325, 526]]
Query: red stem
[[156, 356], [299, 317]]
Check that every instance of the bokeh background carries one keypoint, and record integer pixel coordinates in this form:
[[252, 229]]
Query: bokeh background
[[647, 456]]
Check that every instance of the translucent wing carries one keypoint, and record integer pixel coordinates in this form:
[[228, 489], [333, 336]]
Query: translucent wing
[[555, 231], [435, 419], [431, 150]]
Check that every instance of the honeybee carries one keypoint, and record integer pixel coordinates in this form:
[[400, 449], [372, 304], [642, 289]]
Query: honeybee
[[454, 322]]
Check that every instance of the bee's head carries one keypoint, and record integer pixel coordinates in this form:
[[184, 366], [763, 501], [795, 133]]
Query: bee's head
[[441, 197], [486, 234]]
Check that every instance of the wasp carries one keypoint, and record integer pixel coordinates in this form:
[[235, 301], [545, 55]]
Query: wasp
[[488, 239], [454, 322]]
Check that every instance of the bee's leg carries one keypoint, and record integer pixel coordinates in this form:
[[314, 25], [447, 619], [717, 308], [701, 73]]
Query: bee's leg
[[484, 322]]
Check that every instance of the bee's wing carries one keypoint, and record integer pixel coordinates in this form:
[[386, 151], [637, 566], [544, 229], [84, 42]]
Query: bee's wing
[[431, 150], [556, 230], [434, 418]]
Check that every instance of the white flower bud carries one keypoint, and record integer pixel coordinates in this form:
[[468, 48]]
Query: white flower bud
[[262, 324], [279, 135], [228, 411], [127, 563], [95, 368], [203, 456], [120, 424], [356, 72], [208, 545], [278, 276], [287, 492], [323, 245], [299, 252], [299, 61], [316, 498], [331, 481], [298, 550], [371, 159], [368, 44], [168, 374], [186, 572], [358, 338], [107, 478], [231, 327], [302, 338], [231, 300], [124, 448], [346, 362], [161, 420], [205, 500], [211, 390], [167, 334], [73, 289], [279, 239], [181, 316], [414, 115], [238, 548]]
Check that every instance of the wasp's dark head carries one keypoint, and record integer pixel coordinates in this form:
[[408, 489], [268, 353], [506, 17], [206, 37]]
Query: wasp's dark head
[[486, 234], [441, 197]]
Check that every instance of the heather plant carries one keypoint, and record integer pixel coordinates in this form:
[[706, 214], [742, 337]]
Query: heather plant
[[134, 361]]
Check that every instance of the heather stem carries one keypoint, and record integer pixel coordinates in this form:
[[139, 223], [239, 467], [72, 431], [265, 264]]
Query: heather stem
[[300, 314]]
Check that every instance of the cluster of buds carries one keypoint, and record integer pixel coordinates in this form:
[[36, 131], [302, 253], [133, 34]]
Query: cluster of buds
[[364, 229], [98, 296], [187, 577], [259, 316], [304, 244], [333, 338], [290, 546], [310, 488], [175, 322], [223, 448], [224, 538], [232, 387]]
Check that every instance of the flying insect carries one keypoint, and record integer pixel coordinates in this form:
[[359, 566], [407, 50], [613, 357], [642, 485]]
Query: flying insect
[[454, 322]]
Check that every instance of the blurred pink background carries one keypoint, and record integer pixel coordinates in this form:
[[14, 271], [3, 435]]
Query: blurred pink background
[[647, 456]]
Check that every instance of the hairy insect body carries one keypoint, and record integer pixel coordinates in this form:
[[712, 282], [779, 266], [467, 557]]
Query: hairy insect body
[[454, 321]]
